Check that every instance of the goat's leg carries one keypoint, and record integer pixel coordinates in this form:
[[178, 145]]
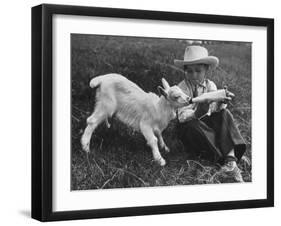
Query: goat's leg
[[161, 142], [152, 142], [92, 122]]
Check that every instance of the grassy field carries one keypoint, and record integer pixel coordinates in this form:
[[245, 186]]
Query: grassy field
[[120, 156]]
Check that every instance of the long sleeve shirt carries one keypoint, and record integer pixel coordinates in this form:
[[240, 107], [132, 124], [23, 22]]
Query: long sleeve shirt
[[187, 113]]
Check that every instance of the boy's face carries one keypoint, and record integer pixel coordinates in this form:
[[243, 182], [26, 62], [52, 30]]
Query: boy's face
[[195, 73]]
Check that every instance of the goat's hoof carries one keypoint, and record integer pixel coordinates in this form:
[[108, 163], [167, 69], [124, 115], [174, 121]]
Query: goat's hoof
[[161, 162], [87, 151], [166, 149], [86, 147], [85, 144]]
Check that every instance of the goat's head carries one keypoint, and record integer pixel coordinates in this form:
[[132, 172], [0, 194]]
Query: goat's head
[[174, 95]]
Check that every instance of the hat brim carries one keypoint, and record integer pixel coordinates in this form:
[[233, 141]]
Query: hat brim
[[210, 60]]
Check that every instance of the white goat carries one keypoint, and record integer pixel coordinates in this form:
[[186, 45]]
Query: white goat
[[144, 112]]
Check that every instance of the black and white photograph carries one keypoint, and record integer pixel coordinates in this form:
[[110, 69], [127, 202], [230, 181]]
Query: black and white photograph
[[149, 112], [141, 112]]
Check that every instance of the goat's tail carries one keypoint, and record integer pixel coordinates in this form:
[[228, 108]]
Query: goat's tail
[[95, 82]]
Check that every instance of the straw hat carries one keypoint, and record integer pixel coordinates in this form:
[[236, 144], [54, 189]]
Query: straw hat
[[197, 55]]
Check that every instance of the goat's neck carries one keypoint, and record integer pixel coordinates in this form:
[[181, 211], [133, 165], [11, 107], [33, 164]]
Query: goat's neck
[[165, 110]]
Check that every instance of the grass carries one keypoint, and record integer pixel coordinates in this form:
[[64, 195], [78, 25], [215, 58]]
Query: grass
[[120, 157]]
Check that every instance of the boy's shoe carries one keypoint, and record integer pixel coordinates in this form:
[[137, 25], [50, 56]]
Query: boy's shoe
[[231, 169]]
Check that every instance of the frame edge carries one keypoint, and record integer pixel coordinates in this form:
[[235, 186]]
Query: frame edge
[[36, 69], [270, 112], [42, 105]]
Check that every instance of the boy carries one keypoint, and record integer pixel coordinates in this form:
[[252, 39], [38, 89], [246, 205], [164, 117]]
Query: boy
[[207, 129]]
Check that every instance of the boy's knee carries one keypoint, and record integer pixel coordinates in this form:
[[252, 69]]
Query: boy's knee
[[226, 113], [194, 123]]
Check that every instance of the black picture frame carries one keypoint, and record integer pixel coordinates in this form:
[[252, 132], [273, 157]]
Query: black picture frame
[[42, 107]]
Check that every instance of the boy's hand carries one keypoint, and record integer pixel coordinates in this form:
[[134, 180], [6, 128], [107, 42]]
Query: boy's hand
[[229, 95]]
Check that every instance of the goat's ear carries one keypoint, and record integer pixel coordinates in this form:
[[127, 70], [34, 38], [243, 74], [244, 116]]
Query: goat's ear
[[165, 84], [162, 91]]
